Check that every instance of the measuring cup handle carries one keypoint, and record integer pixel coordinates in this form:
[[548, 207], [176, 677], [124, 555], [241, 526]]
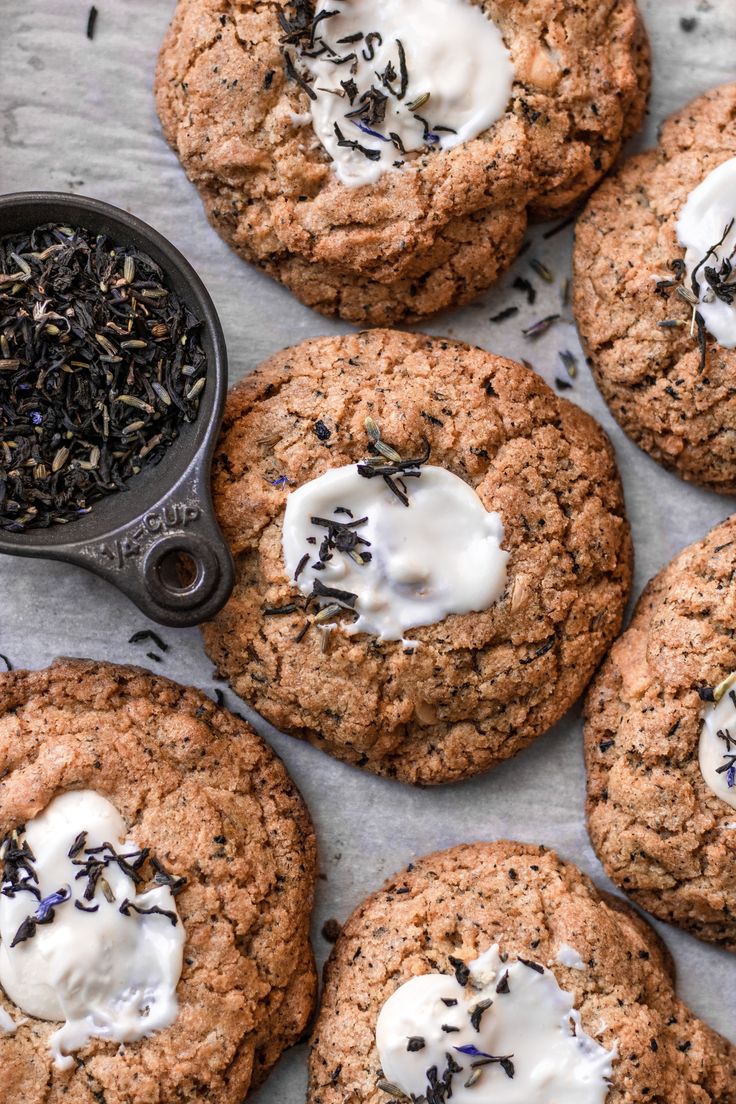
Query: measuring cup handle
[[173, 561]]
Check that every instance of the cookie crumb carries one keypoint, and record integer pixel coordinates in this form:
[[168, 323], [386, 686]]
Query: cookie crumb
[[331, 930]]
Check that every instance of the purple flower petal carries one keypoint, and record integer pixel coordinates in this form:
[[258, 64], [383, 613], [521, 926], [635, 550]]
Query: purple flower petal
[[47, 905], [367, 130], [472, 1050]]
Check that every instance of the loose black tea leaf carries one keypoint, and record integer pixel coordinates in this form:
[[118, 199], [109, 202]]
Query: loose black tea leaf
[[702, 341], [26, 931], [570, 362], [522, 284], [462, 973], [86, 908], [713, 251], [162, 877], [477, 1011], [538, 328], [280, 611], [565, 292], [91, 22], [508, 312], [371, 109], [536, 966], [18, 872], [503, 985], [343, 597], [348, 143], [100, 364], [77, 846], [148, 634], [542, 650], [541, 270], [301, 565], [129, 906], [507, 1066]]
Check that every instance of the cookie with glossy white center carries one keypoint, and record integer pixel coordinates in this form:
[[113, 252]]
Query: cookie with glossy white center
[[381, 158], [431, 551], [157, 879], [90, 935], [660, 745], [452, 982], [655, 292]]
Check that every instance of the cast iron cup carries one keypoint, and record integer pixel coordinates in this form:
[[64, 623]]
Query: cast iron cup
[[158, 541]]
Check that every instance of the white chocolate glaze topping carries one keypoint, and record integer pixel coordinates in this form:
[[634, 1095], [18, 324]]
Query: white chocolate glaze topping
[[507, 1035], [413, 564], [707, 229], [84, 944], [717, 748], [399, 76], [568, 956]]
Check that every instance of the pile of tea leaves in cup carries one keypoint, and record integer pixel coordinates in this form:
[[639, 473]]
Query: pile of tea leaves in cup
[[100, 364]]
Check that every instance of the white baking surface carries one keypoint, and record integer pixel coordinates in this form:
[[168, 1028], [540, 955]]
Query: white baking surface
[[79, 116]]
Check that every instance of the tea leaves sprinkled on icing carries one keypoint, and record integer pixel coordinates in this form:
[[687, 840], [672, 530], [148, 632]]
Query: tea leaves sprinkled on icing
[[388, 81], [401, 544], [707, 230], [504, 1034], [717, 745], [89, 932]]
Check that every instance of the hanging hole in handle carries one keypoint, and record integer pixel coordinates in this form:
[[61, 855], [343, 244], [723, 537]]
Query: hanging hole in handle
[[178, 571], [181, 571]]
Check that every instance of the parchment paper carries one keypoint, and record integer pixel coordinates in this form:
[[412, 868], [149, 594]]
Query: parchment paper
[[78, 116]]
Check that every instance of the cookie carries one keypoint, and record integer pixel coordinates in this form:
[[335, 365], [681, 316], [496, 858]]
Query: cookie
[[455, 697], [675, 398], [661, 830], [551, 925], [213, 806], [442, 227]]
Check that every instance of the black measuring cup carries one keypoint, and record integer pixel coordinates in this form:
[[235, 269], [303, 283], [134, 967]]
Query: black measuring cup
[[158, 541]]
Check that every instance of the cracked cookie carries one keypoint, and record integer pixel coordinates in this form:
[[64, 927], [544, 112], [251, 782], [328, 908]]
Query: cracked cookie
[[660, 786], [649, 291], [465, 974], [517, 597], [270, 109], [158, 869]]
